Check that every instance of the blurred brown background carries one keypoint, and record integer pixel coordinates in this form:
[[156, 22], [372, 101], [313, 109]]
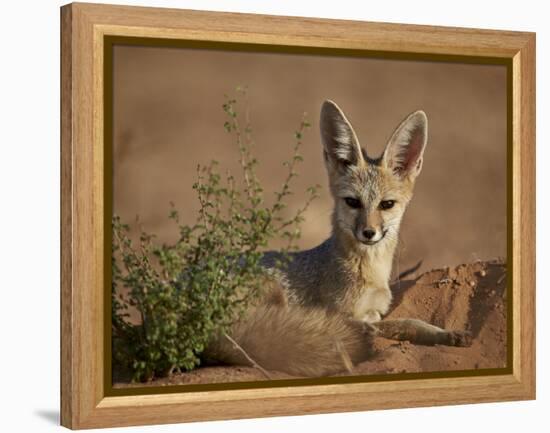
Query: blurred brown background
[[168, 118]]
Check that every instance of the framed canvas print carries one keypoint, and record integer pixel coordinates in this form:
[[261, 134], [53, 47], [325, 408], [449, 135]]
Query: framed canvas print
[[267, 216]]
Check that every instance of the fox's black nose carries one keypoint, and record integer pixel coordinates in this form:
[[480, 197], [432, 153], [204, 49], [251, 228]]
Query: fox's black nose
[[369, 234]]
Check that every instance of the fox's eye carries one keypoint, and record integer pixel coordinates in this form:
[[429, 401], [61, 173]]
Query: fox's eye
[[386, 204], [353, 202]]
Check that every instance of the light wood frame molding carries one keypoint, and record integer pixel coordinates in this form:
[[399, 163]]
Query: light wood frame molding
[[84, 403]]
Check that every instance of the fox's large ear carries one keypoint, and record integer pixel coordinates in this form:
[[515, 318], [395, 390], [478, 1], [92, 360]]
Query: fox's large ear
[[340, 145], [404, 152]]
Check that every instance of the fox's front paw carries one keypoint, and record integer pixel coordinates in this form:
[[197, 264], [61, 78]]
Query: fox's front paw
[[371, 316], [460, 338]]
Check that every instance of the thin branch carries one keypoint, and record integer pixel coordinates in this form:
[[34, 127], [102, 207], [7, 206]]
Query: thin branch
[[346, 360], [202, 199], [254, 363]]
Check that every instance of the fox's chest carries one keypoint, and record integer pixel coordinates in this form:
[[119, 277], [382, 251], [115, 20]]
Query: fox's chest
[[367, 294]]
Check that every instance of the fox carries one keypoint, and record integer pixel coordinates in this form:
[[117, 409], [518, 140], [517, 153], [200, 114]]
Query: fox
[[327, 304]]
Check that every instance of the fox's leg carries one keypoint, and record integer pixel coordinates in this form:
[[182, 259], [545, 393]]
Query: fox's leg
[[419, 332], [372, 305]]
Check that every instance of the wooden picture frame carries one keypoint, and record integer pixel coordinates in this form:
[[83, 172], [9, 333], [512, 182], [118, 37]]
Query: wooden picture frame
[[85, 28]]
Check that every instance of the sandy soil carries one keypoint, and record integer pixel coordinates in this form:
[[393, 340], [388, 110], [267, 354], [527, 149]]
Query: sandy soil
[[469, 296]]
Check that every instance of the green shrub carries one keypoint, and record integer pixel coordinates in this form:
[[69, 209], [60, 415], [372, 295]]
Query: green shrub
[[191, 290]]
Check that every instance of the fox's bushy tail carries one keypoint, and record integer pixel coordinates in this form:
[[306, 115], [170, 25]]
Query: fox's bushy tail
[[296, 340]]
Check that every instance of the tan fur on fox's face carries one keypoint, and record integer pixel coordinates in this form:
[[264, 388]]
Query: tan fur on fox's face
[[370, 195]]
